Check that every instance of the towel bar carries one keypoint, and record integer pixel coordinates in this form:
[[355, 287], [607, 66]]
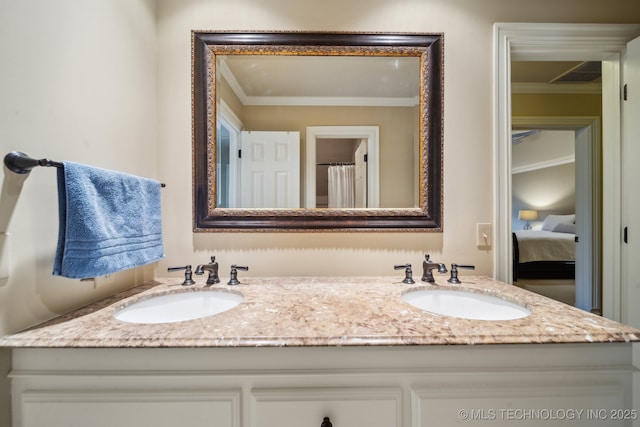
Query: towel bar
[[21, 163]]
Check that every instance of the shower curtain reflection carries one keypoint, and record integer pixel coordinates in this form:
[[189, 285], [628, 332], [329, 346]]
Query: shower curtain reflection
[[341, 186]]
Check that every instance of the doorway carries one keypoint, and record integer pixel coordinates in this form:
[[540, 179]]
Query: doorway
[[341, 173], [581, 42], [584, 291], [363, 139]]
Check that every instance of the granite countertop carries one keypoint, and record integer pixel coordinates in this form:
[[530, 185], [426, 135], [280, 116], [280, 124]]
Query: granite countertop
[[345, 311]]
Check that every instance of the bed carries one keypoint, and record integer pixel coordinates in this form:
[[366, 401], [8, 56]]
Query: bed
[[548, 253]]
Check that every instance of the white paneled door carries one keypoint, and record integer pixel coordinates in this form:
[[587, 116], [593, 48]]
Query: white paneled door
[[270, 169]]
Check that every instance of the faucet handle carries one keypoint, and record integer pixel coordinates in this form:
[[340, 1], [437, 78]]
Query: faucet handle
[[454, 272], [188, 277], [408, 279], [233, 279]]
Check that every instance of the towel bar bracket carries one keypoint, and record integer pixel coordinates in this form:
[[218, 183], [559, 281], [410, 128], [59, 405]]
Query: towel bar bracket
[[21, 163]]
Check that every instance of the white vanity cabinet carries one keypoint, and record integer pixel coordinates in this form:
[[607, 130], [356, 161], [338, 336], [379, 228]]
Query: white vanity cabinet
[[372, 386]]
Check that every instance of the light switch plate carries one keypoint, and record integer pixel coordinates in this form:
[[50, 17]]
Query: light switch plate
[[483, 235]]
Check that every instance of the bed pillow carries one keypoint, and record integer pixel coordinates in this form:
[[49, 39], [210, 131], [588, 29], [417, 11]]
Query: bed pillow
[[551, 221], [565, 228]]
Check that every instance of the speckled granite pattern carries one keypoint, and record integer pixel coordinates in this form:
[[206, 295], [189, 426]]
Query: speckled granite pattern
[[301, 311]]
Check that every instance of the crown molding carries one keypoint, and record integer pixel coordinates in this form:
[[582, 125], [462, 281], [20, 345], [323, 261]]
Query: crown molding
[[332, 101], [544, 165]]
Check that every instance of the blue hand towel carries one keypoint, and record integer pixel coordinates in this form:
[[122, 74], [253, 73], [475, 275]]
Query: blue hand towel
[[109, 221]]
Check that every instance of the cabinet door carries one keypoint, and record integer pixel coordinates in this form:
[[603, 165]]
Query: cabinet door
[[524, 405], [346, 407], [102, 409]]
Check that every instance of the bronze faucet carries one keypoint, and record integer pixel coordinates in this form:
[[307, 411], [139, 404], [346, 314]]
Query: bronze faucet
[[212, 268], [428, 266]]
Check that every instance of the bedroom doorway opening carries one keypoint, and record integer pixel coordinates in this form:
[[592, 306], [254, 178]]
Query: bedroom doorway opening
[[556, 173], [577, 42]]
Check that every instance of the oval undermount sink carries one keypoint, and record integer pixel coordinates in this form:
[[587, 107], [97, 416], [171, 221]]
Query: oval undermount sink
[[465, 304], [178, 307]]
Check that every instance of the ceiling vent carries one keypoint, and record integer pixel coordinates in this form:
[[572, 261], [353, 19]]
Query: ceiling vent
[[586, 72]]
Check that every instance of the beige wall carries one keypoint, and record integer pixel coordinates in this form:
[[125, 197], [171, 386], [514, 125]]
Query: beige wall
[[78, 83], [558, 104], [468, 119]]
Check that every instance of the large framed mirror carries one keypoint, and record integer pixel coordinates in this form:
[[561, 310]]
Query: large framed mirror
[[317, 131]]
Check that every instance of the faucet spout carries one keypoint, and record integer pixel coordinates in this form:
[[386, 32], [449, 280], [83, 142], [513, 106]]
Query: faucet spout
[[212, 268], [428, 266]]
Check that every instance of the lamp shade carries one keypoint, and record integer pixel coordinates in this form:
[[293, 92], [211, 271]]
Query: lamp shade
[[527, 215]]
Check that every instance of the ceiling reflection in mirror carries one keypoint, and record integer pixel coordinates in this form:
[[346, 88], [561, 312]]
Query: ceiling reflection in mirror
[[321, 137]]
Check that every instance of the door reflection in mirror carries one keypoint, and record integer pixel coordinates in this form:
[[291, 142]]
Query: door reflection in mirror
[[270, 169]]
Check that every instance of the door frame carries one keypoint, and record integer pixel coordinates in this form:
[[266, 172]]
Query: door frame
[[548, 41], [370, 133]]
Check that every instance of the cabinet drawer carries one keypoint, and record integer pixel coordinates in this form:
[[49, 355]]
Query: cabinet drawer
[[127, 409], [346, 407]]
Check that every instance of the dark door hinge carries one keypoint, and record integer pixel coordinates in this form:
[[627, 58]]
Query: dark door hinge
[[625, 235], [624, 92], [239, 154], [366, 157]]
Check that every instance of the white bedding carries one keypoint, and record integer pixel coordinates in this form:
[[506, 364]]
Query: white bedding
[[538, 245]]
